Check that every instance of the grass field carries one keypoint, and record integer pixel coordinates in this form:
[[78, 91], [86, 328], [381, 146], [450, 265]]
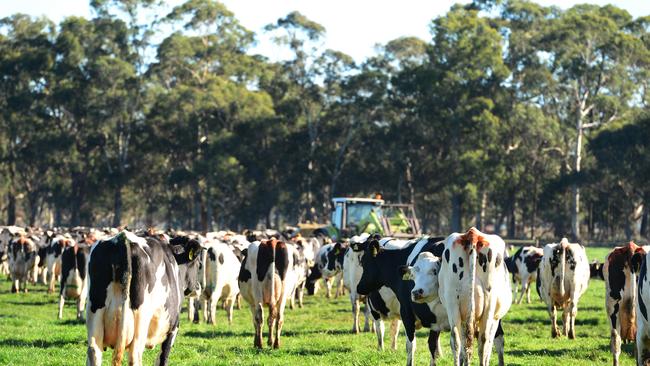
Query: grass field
[[318, 334]]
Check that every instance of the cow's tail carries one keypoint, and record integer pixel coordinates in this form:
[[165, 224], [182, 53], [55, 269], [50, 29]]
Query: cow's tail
[[123, 273], [470, 321], [562, 267], [273, 278]]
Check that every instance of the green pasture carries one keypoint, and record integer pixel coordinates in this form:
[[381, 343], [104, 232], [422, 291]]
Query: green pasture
[[318, 334]]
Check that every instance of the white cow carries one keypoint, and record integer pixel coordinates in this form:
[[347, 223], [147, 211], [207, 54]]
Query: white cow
[[475, 290], [221, 271], [564, 277]]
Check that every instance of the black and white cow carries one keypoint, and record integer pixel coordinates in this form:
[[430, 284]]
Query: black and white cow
[[301, 268], [74, 274], [441, 286], [267, 278], [53, 254], [642, 317], [221, 271], [526, 260], [135, 296], [330, 264], [381, 267], [563, 279]]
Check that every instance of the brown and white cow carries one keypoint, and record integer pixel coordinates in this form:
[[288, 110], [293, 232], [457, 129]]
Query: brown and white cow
[[475, 291], [135, 296], [563, 279], [620, 270], [526, 261], [267, 278], [74, 275], [23, 262]]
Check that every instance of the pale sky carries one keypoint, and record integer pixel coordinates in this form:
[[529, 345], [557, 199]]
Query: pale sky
[[353, 26]]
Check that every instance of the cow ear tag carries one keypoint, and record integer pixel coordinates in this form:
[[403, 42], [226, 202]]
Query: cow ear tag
[[191, 254]]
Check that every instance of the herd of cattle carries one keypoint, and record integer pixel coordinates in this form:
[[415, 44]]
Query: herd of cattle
[[135, 284]]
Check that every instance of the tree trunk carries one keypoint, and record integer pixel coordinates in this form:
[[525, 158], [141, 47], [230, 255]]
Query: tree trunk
[[480, 217], [117, 206], [11, 209], [644, 221], [456, 213], [575, 189], [409, 182], [512, 229]]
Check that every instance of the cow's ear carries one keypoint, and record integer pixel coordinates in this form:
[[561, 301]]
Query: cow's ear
[[438, 249], [405, 272], [193, 249], [337, 249]]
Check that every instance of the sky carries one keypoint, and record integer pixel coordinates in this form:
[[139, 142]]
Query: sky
[[354, 27]]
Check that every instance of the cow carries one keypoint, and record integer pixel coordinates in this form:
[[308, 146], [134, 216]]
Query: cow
[[563, 279], [596, 270], [221, 280], [135, 295], [301, 268], [74, 274], [329, 266], [23, 259], [475, 291], [525, 262], [352, 271], [7, 235], [381, 264], [620, 270], [266, 278], [642, 319], [384, 306], [53, 258]]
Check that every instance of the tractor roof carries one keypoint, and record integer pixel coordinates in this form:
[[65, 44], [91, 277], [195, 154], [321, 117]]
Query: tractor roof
[[357, 199]]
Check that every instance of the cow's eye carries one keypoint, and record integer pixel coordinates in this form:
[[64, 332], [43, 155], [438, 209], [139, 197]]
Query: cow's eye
[[435, 272], [416, 269]]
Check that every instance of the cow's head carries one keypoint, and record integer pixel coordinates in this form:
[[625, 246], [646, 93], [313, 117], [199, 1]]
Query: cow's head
[[424, 273], [370, 279], [187, 253], [335, 259]]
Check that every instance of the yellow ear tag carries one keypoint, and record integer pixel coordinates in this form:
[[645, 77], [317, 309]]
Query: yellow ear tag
[[191, 254]]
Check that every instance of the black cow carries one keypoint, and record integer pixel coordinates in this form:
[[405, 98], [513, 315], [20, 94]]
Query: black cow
[[135, 295]]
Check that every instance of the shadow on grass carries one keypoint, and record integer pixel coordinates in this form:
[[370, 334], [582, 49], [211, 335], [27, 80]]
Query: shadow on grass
[[293, 333], [320, 352], [72, 321], [209, 334], [543, 352], [38, 343], [31, 303]]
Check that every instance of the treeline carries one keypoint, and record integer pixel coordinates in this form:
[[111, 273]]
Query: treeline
[[514, 116]]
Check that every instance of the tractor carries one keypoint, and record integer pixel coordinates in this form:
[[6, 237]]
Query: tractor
[[354, 215]]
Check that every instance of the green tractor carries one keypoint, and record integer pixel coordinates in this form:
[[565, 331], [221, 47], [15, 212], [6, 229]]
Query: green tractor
[[353, 216]]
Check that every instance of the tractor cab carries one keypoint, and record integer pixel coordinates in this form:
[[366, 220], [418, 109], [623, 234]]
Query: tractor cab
[[352, 216]]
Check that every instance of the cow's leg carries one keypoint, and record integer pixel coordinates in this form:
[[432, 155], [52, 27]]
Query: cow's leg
[[367, 317], [61, 303], [555, 332], [409, 327], [573, 309], [566, 320], [278, 327], [258, 320], [166, 347], [524, 288], [273, 314], [301, 294], [486, 340], [50, 288], [204, 304], [355, 313], [499, 343], [615, 339], [328, 285], [229, 309], [454, 340], [530, 282], [238, 301], [190, 308], [15, 286], [379, 330], [394, 332], [141, 327], [292, 299], [95, 329], [434, 345], [214, 300], [80, 307]]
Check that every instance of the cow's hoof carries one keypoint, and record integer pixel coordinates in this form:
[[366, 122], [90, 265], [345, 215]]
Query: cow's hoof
[[554, 333], [26, 291], [572, 335], [13, 290]]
